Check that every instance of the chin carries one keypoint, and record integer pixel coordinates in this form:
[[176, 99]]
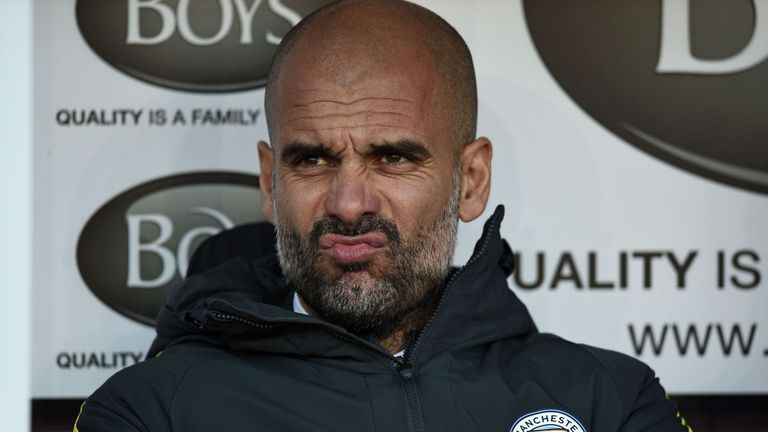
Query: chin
[[373, 268], [361, 278]]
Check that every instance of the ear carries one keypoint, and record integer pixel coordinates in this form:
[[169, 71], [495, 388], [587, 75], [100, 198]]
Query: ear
[[267, 164], [475, 162]]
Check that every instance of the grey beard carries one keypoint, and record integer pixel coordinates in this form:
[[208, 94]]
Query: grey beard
[[363, 304]]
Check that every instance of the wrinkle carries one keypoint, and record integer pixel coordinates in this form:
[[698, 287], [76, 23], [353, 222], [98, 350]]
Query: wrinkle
[[389, 126], [324, 116], [390, 99]]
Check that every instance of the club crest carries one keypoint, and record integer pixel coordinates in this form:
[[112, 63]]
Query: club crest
[[549, 420]]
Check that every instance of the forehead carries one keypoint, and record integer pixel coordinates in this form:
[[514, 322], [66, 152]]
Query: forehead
[[375, 76], [371, 108], [376, 98]]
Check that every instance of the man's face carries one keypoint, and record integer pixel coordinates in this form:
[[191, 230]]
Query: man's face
[[365, 189]]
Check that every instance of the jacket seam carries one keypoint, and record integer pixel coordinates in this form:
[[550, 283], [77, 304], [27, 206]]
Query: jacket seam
[[610, 376], [370, 404], [176, 388], [452, 386]]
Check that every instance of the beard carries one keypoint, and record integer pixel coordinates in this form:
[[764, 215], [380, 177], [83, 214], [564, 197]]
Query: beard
[[365, 302]]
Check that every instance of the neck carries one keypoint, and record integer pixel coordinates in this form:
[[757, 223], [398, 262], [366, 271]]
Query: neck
[[397, 340]]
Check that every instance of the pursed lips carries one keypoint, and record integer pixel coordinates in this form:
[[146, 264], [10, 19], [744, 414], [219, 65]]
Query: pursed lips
[[353, 249]]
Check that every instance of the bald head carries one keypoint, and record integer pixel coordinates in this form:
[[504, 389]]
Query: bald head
[[350, 41]]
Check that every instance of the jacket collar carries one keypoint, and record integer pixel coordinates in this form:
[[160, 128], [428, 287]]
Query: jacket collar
[[477, 306], [246, 305]]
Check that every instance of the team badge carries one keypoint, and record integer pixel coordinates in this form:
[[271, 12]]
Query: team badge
[[549, 420]]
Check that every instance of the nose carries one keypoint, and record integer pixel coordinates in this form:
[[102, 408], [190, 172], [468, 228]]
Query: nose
[[351, 195]]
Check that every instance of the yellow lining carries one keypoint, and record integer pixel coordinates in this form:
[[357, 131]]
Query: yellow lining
[[78, 416], [677, 414]]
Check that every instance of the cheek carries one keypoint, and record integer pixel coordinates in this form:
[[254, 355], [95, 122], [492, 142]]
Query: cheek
[[298, 206], [418, 204]]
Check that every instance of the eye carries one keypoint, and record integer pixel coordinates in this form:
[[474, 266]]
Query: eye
[[393, 159], [312, 161]]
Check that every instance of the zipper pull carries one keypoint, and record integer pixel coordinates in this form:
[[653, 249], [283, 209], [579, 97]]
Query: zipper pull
[[406, 372], [194, 320]]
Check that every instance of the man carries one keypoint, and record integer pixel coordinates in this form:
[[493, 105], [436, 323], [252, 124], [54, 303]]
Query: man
[[362, 324]]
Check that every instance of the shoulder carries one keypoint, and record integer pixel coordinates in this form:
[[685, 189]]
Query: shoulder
[[137, 398], [159, 373], [625, 373], [607, 376]]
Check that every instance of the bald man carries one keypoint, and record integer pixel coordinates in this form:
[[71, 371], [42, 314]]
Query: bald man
[[359, 323]]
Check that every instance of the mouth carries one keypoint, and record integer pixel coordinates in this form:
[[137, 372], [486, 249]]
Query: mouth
[[353, 249]]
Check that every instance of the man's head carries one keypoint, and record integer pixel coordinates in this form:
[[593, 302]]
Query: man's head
[[371, 106]]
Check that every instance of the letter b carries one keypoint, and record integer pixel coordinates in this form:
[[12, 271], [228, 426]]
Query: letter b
[[136, 247], [675, 55], [134, 26]]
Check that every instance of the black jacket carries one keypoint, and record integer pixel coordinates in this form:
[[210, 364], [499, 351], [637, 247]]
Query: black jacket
[[231, 355]]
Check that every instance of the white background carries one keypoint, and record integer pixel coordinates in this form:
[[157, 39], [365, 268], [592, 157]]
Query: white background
[[15, 216]]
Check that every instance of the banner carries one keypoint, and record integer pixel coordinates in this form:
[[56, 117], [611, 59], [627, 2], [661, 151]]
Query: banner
[[629, 150]]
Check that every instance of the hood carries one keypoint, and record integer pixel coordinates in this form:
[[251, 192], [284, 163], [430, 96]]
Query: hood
[[246, 305]]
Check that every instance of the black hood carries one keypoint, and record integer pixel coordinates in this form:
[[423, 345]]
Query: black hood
[[247, 306]]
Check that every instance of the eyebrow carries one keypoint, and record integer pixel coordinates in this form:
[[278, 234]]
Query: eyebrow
[[405, 147], [295, 150]]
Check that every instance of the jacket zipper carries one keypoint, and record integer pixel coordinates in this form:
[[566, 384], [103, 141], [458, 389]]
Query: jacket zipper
[[222, 316], [406, 368]]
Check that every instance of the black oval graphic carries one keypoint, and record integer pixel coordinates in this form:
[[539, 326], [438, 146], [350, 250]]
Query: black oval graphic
[[201, 45], [135, 248], [686, 82]]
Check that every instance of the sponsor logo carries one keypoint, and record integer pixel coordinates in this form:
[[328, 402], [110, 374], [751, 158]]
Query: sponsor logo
[[137, 246], [202, 45], [549, 420], [681, 80]]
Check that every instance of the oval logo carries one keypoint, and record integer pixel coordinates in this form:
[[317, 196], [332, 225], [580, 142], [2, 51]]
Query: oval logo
[[201, 46], [683, 81], [550, 420], [136, 247]]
